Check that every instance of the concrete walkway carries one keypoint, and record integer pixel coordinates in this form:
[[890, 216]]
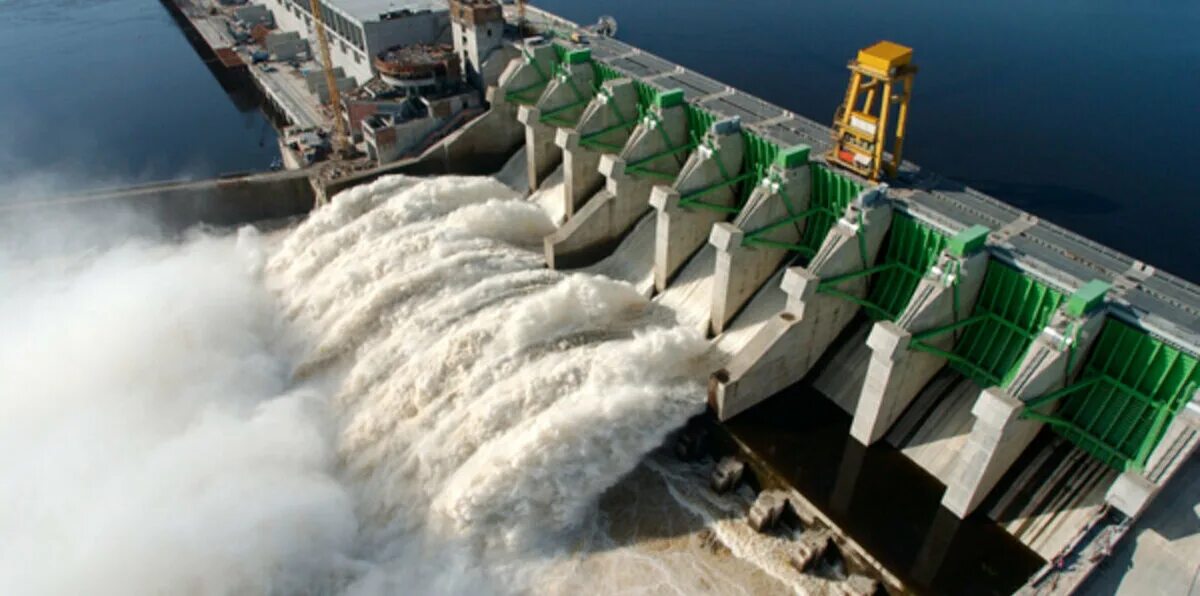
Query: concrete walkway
[[1161, 554]]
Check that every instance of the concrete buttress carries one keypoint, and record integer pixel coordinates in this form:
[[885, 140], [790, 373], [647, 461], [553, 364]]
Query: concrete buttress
[[896, 372], [560, 104], [787, 346], [999, 434], [523, 79], [1133, 490], [655, 152], [603, 128], [709, 177], [740, 269]]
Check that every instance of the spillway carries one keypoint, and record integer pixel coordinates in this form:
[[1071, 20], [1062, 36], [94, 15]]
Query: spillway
[[488, 402]]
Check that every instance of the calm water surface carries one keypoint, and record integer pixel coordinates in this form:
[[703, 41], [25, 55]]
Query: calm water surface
[[109, 92]]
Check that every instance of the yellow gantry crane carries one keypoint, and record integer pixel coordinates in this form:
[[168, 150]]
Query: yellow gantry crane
[[341, 145], [860, 129]]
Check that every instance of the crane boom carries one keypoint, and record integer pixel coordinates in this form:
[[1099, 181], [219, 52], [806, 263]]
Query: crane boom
[[340, 143]]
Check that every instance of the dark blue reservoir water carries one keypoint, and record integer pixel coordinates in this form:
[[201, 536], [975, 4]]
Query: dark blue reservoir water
[[110, 92], [1083, 112]]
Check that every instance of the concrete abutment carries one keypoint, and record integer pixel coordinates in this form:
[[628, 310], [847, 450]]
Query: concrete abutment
[[684, 210], [742, 269], [1000, 433], [897, 372], [783, 351], [658, 142]]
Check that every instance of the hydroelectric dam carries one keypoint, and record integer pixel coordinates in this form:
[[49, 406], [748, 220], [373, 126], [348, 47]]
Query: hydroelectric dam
[[1043, 388]]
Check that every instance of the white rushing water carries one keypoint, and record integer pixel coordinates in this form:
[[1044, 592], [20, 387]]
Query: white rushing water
[[481, 394], [394, 396]]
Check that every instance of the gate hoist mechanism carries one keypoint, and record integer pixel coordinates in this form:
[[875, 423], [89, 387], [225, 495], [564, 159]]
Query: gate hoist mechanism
[[860, 128]]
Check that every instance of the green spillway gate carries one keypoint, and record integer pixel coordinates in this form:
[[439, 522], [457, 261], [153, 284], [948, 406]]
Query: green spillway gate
[[562, 116], [912, 248], [757, 155], [830, 194], [645, 98], [529, 94], [1131, 387], [1009, 313]]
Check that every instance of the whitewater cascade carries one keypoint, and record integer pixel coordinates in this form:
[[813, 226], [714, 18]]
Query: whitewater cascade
[[480, 394], [393, 396]]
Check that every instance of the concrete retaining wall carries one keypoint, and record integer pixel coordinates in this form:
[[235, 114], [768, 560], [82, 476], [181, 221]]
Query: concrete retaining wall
[[180, 205]]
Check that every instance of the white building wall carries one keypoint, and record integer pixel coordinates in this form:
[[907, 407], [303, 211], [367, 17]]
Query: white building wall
[[377, 36]]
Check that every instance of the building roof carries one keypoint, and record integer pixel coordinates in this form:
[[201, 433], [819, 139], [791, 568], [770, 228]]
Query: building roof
[[370, 10]]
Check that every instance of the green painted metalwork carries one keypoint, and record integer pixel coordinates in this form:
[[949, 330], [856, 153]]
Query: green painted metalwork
[[645, 92], [1131, 387], [557, 116], [1088, 297], [759, 154], [698, 121], [830, 194], [529, 94], [912, 248], [968, 241], [1010, 311], [755, 149]]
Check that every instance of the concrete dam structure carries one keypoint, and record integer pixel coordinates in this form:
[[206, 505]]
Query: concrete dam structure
[[1048, 385], [948, 324]]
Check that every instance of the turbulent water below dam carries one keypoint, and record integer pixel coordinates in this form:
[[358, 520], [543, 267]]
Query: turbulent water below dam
[[392, 396]]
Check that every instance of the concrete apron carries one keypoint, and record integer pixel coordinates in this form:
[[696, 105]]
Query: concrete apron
[[999, 434], [560, 99], [788, 346], [680, 229], [596, 228], [1133, 489], [896, 372], [608, 119], [741, 270]]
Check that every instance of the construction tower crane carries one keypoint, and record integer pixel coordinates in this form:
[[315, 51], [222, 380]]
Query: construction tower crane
[[341, 145], [860, 130]]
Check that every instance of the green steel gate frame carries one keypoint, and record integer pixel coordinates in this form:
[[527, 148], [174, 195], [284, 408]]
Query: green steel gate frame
[[831, 193], [522, 94], [1131, 387], [1010, 311], [912, 249], [645, 98]]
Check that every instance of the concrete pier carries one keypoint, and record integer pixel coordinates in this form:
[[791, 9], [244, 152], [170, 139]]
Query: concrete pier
[[787, 347], [741, 270], [999, 434], [685, 212], [560, 104], [655, 152], [1134, 489], [604, 127], [897, 372], [523, 80]]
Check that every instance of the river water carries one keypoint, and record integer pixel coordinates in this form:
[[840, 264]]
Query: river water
[[103, 93]]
